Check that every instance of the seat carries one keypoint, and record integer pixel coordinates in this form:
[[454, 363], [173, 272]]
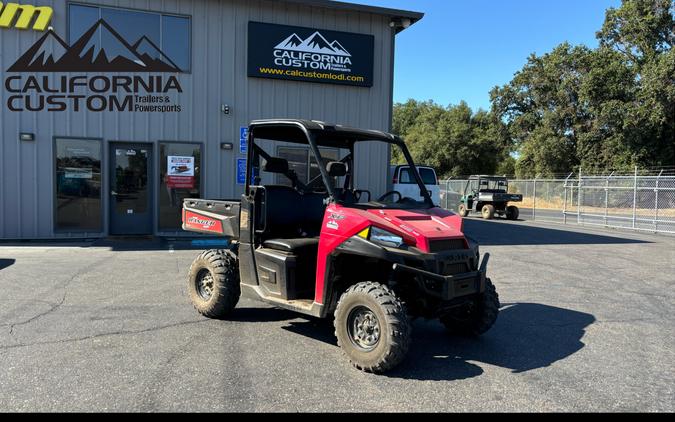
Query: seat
[[290, 214], [297, 246]]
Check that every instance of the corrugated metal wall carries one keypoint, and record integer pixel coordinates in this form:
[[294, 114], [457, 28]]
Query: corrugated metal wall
[[219, 44]]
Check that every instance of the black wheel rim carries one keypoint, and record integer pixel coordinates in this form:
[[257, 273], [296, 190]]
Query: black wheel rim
[[204, 284], [363, 328], [464, 315]]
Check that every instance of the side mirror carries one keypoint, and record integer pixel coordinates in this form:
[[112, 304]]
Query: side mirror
[[336, 169], [276, 165]]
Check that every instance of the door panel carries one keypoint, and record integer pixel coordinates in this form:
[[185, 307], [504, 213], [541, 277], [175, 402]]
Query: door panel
[[131, 188]]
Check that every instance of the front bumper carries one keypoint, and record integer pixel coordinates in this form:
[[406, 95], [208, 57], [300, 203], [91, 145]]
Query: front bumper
[[448, 287], [444, 275]]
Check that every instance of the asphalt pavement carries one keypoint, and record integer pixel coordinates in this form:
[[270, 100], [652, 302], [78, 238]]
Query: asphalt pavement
[[587, 324]]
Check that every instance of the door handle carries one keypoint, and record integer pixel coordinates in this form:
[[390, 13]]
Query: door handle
[[113, 193]]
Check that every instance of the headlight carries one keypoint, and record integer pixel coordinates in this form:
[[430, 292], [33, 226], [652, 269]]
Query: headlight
[[385, 238]]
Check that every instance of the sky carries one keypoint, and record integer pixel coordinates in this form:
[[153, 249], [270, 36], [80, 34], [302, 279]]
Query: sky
[[461, 49]]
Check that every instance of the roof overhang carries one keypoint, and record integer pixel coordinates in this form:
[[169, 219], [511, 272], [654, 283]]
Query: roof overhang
[[400, 19]]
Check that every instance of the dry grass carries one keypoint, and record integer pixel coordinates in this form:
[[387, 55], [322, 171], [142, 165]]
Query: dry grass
[[558, 204]]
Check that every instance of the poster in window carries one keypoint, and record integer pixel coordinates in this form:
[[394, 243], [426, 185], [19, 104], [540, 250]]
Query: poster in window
[[180, 172], [78, 173]]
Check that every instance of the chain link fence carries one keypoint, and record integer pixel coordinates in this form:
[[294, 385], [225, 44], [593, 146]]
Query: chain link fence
[[644, 203]]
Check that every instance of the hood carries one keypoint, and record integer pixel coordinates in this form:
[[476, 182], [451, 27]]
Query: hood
[[424, 226]]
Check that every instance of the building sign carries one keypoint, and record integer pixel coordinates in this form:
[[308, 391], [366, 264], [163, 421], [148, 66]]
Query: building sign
[[306, 54], [85, 92], [180, 172], [243, 139], [24, 14], [241, 171]]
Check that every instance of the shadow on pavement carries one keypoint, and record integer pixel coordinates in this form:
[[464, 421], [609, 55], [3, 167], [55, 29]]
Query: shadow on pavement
[[526, 336], [128, 243], [161, 243], [260, 315], [6, 262], [500, 233]]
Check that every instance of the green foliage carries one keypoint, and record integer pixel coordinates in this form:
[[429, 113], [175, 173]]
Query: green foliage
[[507, 166], [602, 109], [454, 140], [639, 29]]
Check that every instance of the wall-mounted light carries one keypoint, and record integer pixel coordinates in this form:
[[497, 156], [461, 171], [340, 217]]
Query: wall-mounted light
[[400, 23], [27, 136], [226, 146], [225, 108]]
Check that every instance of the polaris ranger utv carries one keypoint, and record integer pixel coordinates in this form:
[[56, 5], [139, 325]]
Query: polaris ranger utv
[[489, 196], [321, 247]]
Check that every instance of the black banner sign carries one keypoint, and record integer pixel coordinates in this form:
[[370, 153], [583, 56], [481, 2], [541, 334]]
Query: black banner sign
[[306, 54]]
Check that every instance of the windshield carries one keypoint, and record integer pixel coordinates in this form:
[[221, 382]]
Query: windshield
[[368, 172]]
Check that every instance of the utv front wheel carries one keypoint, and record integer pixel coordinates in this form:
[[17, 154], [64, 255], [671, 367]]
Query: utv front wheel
[[372, 327], [488, 212], [462, 211], [476, 317], [213, 283]]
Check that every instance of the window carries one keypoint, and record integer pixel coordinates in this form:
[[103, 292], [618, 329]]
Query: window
[[303, 163], [406, 177], [428, 176], [162, 37], [180, 168], [78, 185]]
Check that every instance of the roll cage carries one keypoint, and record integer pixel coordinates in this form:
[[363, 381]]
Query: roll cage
[[484, 183], [319, 134]]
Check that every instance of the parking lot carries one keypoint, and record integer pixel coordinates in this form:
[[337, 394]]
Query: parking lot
[[586, 325]]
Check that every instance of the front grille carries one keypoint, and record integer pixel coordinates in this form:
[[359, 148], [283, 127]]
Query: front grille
[[451, 269], [446, 245]]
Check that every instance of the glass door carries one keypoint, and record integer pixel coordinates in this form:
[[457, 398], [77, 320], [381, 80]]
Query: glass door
[[131, 200]]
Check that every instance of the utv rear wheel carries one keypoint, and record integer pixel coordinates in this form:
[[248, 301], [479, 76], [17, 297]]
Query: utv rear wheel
[[462, 211], [488, 212], [512, 212], [372, 327], [478, 316], [213, 283]]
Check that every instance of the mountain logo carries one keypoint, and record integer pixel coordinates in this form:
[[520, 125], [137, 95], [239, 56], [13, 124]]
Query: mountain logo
[[315, 43], [99, 49]]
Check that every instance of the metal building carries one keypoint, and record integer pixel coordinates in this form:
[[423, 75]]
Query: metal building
[[113, 111]]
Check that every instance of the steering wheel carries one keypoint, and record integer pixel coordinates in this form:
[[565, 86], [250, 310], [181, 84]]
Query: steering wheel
[[394, 192], [360, 192]]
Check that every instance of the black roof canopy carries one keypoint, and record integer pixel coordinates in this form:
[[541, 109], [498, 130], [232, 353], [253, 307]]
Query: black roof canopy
[[489, 177], [337, 136]]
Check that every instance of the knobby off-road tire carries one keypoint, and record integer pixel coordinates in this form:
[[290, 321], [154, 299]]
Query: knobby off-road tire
[[479, 318], [462, 211], [488, 212], [213, 283], [372, 327], [512, 212]]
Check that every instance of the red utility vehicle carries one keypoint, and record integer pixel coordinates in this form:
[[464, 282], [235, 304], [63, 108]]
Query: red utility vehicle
[[323, 248]]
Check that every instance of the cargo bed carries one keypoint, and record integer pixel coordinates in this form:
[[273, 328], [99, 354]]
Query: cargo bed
[[218, 217], [499, 197]]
